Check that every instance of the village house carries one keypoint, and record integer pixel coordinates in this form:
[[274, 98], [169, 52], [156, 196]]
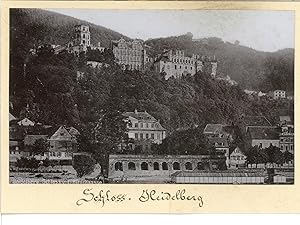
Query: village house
[[26, 122], [285, 120], [61, 142], [254, 121], [237, 159], [16, 142], [144, 129], [62, 145], [263, 137], [279, 94]]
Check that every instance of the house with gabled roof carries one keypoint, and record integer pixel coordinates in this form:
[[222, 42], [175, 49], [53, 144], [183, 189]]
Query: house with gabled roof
[[237, 158], [144, 128], [62, 145], [263, 137], [11, 117], [26, 122]]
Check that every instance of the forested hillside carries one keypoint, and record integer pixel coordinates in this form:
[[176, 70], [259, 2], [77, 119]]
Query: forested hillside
[[46, 87], [252, 69], [44, 27]]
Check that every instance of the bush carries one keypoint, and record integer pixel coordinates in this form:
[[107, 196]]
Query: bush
[[83, 164], [31, 163]]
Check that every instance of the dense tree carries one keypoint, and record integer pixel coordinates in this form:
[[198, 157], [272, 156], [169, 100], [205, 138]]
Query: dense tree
[[40, 146]]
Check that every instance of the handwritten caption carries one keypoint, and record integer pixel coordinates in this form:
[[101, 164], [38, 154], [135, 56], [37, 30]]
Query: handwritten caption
[[104, 197]]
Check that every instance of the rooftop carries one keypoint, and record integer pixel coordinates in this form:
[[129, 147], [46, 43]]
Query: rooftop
[[285, 118], [218, 174], [213, 128], [256, 121], [266, 133], [140, 116]]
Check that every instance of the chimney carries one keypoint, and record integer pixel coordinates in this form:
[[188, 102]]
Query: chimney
[[135, 111], [99, 44]]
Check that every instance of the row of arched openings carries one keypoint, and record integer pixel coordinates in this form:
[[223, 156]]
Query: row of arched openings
[[156, 166]]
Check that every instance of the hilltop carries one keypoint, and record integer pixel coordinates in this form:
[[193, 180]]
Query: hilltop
[[44, 27]]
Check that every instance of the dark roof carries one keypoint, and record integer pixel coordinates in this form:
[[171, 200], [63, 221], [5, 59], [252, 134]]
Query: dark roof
[[256, 121], [31, 139], [140, 116], [218, 140], [264, 133]]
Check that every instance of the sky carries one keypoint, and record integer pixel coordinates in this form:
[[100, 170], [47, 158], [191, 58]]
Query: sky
[[261, 30]]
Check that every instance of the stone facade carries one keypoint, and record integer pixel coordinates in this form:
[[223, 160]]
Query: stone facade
[[81, 39], [130, 55], [158, 168], [176, 64]]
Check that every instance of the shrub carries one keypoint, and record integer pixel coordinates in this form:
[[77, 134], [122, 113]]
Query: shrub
[[31, 163], [83, 164]]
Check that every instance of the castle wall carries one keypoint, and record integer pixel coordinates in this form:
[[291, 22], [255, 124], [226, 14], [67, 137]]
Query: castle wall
[[177, 64]]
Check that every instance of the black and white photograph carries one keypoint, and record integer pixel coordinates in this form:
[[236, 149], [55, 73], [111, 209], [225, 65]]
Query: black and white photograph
[[123, 96]]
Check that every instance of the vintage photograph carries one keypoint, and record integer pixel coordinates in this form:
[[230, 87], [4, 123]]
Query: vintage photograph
[[151, 96]]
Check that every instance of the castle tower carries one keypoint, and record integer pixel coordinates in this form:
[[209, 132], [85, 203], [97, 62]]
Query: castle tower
[[82, 36]]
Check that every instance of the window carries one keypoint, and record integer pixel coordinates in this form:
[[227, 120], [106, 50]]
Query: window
[[118, 166], [147, 136], [291, 147], [144, 166], [200, 166], [136, 125], [286, 147], [142, 125], [152, 125], [141, 136], [136, 136], [176, 166], [165, 166], [175, 67], [83, 41], [281, 147], [188, 166], [83, 35], [147, 125], [158, 136], [156, 166], [152, 136], [131, 166]]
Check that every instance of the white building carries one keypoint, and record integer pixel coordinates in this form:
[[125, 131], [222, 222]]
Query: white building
[[142, 126], [237, 159], [279, 94]]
